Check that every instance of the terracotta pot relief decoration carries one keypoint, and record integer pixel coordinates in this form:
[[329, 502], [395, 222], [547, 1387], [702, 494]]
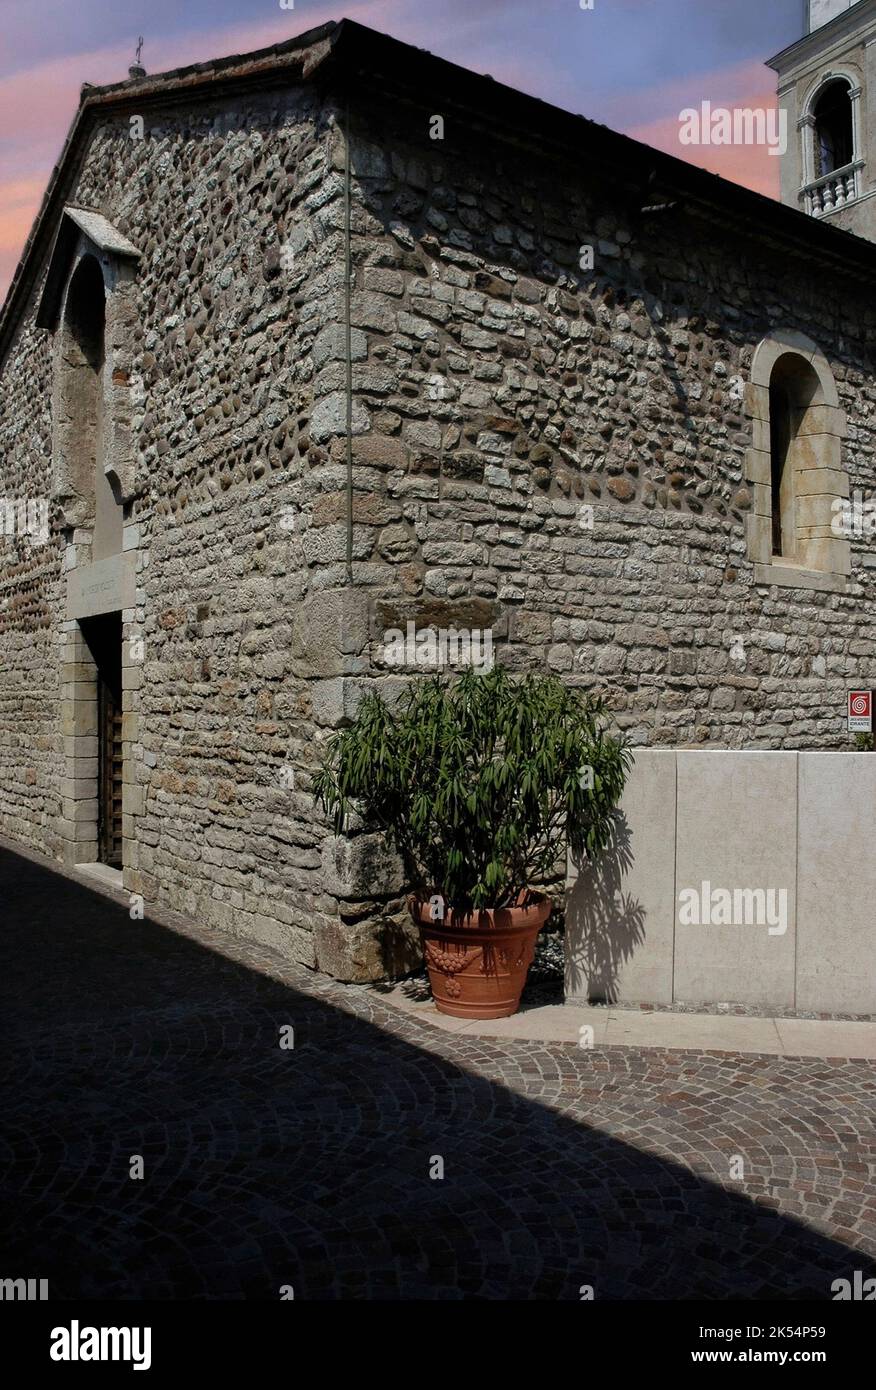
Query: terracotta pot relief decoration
[[477, 962]]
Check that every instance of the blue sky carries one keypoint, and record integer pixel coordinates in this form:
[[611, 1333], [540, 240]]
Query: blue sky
[[631, 64]]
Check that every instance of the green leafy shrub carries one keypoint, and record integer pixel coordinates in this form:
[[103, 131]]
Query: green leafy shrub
[[479, 782]]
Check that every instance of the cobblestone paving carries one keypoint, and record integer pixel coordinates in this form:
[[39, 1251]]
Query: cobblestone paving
[[310, 1167]]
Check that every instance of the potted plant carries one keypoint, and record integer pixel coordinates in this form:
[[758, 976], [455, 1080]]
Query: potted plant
[[481, 783]]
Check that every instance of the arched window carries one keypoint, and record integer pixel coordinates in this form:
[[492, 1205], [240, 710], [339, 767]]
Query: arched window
[[831, 135], [795, 466], [83, 362], [82, 403], [834, 129], [793, 389]]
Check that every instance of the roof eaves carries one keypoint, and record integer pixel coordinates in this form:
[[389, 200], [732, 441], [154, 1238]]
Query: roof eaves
[[814, 37], [360, 51], [621, 158]]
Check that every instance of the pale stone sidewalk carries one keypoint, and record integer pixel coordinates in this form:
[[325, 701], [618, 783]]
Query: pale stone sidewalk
[[615, 1027]]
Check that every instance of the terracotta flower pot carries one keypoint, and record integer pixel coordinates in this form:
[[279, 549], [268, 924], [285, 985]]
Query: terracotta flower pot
[[478, 963]]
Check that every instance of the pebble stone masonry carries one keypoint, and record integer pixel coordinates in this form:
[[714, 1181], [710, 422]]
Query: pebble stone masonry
[[307, 460]]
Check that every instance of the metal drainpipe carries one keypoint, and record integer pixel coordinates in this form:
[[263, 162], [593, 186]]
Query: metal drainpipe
[[348, 344]]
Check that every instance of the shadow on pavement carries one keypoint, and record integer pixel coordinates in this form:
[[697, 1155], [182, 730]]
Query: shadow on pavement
[[311, 1167]]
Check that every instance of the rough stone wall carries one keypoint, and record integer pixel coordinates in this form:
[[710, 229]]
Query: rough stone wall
[[504, 388], [233, 649], [31, 599]]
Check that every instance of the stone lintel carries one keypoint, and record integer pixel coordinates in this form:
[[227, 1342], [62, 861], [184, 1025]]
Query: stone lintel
[[107, 586]]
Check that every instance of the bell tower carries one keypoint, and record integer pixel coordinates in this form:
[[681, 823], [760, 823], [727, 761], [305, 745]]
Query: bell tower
[[827, 86]]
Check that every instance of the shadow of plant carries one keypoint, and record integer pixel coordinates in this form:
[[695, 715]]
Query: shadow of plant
[[606, 924]]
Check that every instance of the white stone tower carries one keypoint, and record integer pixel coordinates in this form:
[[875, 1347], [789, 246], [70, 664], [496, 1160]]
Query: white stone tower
[[827, 86]]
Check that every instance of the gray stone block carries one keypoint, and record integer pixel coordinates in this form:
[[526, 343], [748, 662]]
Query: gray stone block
[[361, 866]]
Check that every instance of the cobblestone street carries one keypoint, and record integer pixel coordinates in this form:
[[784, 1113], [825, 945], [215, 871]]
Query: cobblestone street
[[310, 1167]]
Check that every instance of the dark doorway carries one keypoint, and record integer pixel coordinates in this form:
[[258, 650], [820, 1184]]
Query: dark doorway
[[104, 638]]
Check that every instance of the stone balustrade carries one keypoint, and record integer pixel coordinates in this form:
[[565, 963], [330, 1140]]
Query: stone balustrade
[[832, 190]]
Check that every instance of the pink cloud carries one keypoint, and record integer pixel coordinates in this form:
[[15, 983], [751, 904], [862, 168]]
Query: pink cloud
[[20, 200], [747, 85], [37, 106]]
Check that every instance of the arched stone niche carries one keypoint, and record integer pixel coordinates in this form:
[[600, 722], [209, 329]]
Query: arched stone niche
[[89, 304], [795, 466]]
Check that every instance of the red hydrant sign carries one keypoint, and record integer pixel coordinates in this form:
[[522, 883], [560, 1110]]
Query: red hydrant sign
[[860, 711]]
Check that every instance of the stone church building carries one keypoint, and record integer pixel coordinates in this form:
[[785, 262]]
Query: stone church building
[[321, 341]]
